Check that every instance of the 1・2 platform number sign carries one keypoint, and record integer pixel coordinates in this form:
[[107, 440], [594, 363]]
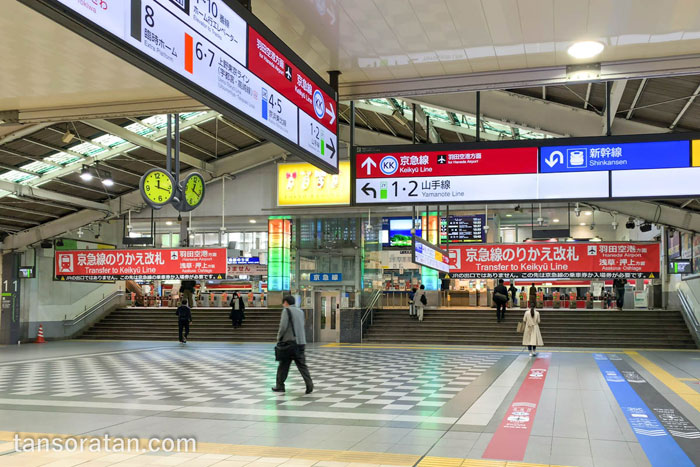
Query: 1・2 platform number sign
[[159, 188]]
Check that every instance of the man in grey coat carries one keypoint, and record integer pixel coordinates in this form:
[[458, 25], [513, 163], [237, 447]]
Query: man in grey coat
[[292, 332]]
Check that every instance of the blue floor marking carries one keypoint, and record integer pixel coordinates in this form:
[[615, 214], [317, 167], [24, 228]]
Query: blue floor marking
[[658, 444]]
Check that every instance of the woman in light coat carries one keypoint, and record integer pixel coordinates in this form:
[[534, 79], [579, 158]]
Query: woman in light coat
[[418, 299], [531, 335]]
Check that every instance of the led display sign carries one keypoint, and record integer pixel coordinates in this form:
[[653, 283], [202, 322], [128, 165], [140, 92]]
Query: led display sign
[[430, 256], [300, 184]]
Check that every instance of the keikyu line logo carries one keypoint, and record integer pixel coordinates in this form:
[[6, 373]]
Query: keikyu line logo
[[389, 165], [319, 104]]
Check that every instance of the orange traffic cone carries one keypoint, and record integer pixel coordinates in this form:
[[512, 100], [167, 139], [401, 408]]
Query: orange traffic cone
[[40, 335]]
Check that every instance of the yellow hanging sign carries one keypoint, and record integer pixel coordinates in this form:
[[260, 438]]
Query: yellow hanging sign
[[301, 184]]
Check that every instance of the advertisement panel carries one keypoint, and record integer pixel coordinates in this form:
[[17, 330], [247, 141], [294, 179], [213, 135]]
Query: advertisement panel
[[567, 260], [220, 54], [622, 156], [92, 265], [301, 184]]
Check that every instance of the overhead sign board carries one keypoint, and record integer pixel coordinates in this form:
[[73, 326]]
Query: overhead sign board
[[546, 260], [430, 256], [219, 53], [644, 166], [622, 156], [104, 265], [466, 229], [301, 184]]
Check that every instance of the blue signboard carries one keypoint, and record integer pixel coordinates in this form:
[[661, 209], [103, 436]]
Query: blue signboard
[[327, 277], [244, 260], [622, 156]]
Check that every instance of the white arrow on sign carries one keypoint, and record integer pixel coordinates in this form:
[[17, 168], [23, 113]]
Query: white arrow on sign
[[369, 163], [331, 113], [554, 158]]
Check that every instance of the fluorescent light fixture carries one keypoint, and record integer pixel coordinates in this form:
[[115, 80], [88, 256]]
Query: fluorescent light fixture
[[85, 174], [169, 223], [582, 223], [252, 221], [509, 215], [585, 49], [587, 72], [555, 220], [570, 239], [588, 213], [596, 239]]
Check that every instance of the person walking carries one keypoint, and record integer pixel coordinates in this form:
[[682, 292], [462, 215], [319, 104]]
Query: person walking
[[419, 302], [184, 318], [619, 286], [251, 298], [237, 314], [187, 291], [500, 298], [291, 333], [531, 335], [513, 292], [533, 296], [412, 303]]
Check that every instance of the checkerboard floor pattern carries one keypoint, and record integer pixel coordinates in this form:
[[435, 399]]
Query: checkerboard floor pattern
[[364, 381]]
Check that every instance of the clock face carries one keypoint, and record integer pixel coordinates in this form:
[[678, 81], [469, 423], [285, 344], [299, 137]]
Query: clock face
[[157, 187], [194, 190]]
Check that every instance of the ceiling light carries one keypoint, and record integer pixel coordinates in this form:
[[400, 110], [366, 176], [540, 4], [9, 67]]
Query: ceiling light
[[588, 213], [67, 137], [252, 221], [555, 220], [585, 49], [509, 215], [570, 239], [85, 173], [596, 239], [107, 180], [169, 223], [582, 223]]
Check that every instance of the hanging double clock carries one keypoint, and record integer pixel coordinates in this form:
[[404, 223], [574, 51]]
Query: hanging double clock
[[159, 188]]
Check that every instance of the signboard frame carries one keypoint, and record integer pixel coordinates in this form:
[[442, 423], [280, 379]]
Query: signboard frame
[[359, 151], [101, 37], [433, 247]]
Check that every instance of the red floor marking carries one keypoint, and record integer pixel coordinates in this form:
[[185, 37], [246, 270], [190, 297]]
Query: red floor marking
[[510, 440]]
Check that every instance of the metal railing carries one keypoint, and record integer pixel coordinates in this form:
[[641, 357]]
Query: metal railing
[[368, 315], [100, 305], [690, 306]]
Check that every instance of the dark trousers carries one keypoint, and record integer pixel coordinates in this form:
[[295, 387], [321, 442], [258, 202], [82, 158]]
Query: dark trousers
[[620, 298], [300, 361], [531, 348], [500, 311], [183, 325]]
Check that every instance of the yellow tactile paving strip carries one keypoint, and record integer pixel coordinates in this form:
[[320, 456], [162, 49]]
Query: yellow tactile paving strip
[[687, 393], [494, 348], [228, 455]]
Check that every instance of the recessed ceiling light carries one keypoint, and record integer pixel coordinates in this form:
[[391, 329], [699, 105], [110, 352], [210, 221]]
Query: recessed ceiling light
[[585, 49], [108, 181], [169, 223], [509, 215], [588, 213], [582, 223], [555, 220], [252, 221]]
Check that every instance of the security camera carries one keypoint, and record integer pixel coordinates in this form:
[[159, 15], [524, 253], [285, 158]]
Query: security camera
[[540, 220], [577, 210], [614, 225]]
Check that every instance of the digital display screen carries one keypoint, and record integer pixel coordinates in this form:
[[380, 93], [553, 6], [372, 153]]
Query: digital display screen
[[466, 229], [216, 50], [681, 266], [27, 272], [396, 231], [430, 256]]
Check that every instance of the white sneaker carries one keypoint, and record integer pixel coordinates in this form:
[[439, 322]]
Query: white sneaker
[[531, 354]]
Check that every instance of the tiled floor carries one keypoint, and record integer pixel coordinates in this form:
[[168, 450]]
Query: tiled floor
[[372, 406]]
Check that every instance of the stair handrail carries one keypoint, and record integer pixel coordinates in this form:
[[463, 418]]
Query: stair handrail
[[97, 306], [368, 314], [689, 303]]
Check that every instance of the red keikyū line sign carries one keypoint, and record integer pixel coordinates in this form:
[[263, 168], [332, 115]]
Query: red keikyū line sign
[[90, 265], [276, 70], [599, 258], [510, 440], [447, 163]]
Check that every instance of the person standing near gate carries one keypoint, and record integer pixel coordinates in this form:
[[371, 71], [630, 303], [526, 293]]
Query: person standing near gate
[[419, 302], [291, 345], [619, 286], [513, 292], [500, 297], [187, 291]]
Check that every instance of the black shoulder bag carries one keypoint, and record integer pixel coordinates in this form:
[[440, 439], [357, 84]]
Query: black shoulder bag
[[287, 350]]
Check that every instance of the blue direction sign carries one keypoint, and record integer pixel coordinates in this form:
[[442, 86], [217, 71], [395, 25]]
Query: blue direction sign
[[327, 277], [622, 156]]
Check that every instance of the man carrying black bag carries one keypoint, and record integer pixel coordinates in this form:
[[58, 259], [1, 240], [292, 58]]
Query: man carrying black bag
[[291, 344]]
